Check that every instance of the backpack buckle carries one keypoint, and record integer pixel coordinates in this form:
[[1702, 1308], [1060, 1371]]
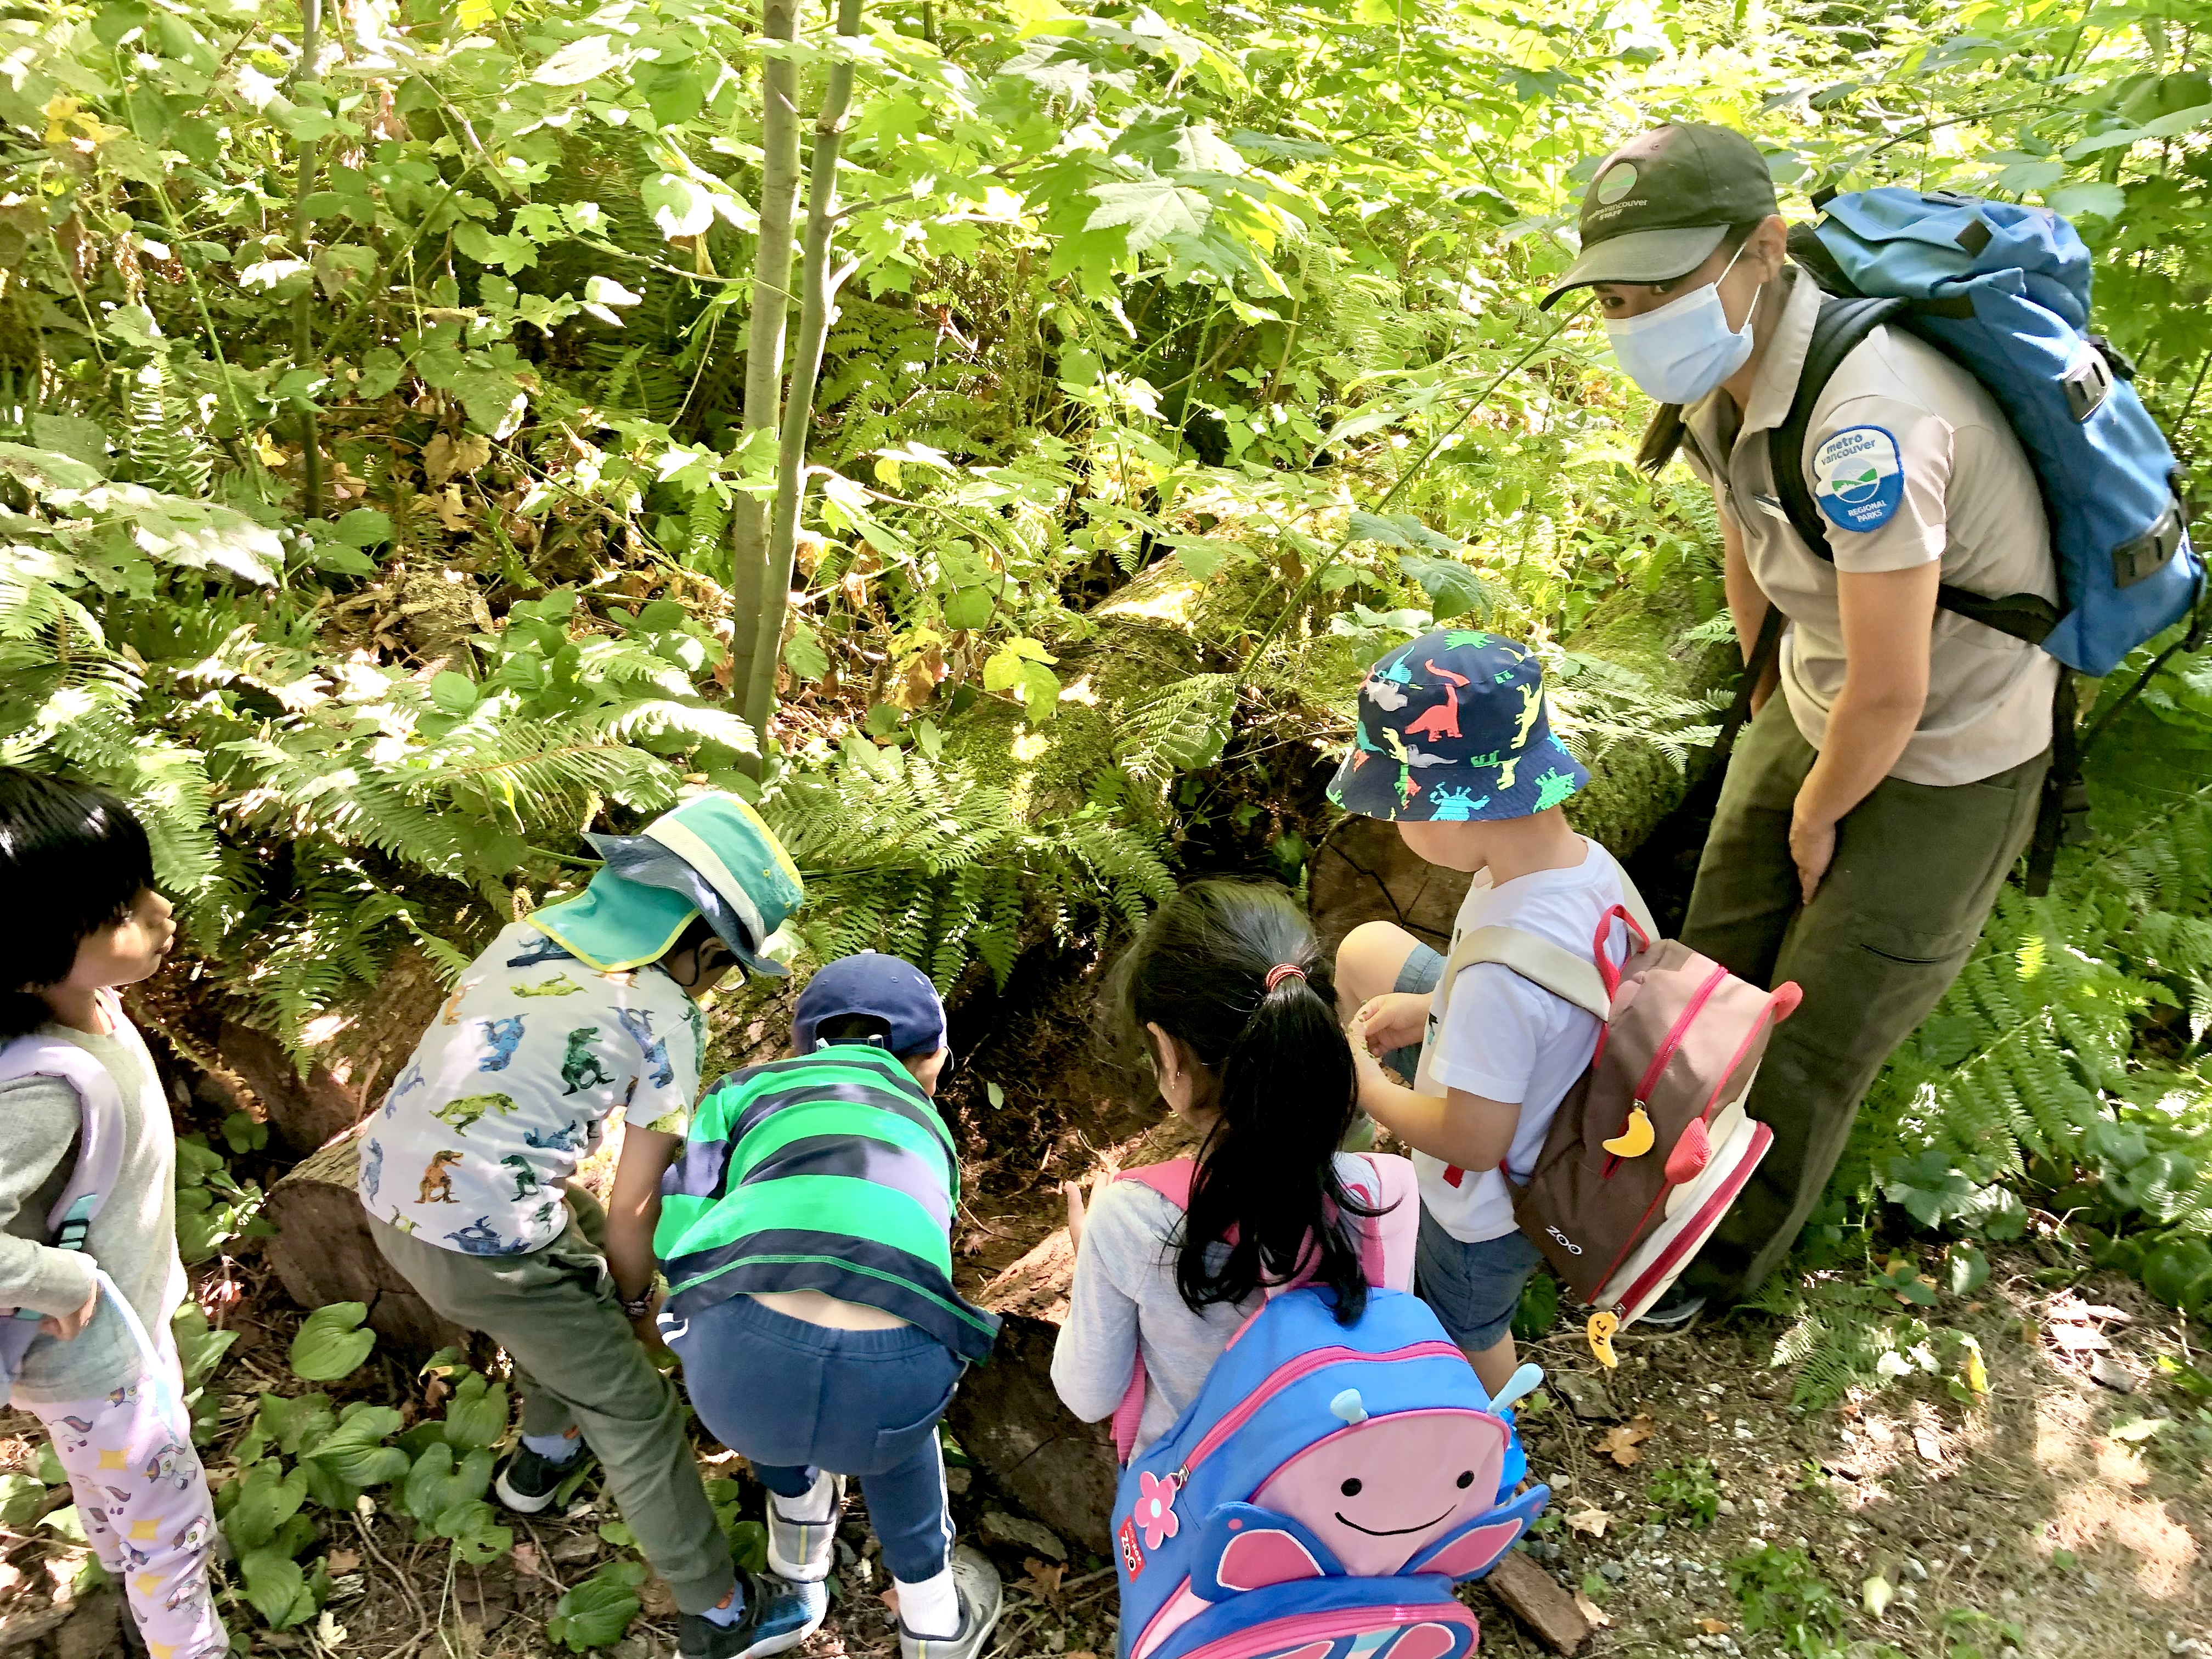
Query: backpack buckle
[[2149, 553], [2087, 384], [2075, 828]]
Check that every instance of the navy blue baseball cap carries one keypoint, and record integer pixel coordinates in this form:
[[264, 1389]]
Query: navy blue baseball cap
[[1453, 728], [888, 988]]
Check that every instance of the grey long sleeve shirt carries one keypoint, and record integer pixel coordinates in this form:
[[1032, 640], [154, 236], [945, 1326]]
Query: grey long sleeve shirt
[[134, 1238]]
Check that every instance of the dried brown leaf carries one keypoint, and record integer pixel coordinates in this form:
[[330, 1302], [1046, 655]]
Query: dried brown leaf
[[1597, 1617], [1593, 1522], [1043, 1580], [1620, 1444]]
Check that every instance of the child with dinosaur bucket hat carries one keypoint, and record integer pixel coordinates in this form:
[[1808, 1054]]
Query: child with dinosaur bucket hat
[[584, 1009], [1456, 747]]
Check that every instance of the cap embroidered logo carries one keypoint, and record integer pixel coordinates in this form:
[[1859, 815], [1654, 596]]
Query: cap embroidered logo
[[1617, 183], [1858, 478]]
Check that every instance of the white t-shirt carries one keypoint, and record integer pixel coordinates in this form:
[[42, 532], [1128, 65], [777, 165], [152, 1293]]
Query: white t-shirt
[[1507, 1038], [512, 1087]]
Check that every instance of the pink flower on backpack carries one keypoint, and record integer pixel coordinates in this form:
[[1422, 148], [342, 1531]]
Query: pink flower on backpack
[[1155, 1513]]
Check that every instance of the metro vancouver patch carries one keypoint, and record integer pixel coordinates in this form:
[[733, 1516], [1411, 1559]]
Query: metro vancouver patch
[[1859, 478]]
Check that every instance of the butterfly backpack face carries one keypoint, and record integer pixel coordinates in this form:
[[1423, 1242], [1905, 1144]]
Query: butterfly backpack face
[[1320, 1495]]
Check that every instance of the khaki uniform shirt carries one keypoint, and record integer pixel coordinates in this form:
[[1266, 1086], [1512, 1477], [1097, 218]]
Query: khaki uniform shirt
[[1910, 463]]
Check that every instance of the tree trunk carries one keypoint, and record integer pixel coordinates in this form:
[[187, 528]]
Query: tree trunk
[[818, 287], [771, 302]]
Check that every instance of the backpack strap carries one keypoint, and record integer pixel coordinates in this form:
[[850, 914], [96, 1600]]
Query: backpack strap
[[1387, 1244], [1841, 328], [98, 1156]]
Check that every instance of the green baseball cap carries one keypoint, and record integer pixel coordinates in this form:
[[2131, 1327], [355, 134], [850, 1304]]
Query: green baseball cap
[[1658, 206]]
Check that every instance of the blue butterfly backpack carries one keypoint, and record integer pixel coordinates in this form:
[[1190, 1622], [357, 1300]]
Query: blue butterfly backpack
[[1322, 1493]]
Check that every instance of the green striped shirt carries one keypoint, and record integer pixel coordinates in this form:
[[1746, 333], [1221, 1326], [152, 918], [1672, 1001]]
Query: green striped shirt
[[831, 1172]]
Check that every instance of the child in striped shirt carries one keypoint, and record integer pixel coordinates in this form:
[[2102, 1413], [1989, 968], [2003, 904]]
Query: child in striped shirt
[[807, 1234]]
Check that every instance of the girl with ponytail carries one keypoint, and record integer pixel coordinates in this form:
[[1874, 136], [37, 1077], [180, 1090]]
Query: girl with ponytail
[[1229, 998]]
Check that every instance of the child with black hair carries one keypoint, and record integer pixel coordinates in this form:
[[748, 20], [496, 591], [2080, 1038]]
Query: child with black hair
[[100, 1371], [1229, 998]]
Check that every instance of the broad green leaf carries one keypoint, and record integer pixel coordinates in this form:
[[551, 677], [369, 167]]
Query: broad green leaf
[[331, 1343], [276, 1588], [477, 1415], [364, 527], [581, 60], [46, 469], [20, 1499], [354, 1452], [437, 1485], [267, 1498], [595, 1613], [2095, 199], [1150, 208], [1453, 588], [288, 1421], [680, 206], [803, 652], [453, 694]]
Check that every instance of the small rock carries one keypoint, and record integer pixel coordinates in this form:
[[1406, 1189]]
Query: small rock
[[2089, 1582], [1911, 1568], [847, 1559], [576, 1547], [1003, 1528], [1727, 1506], [958, 1478], [1612, 1572], [2111, 1374], [1655, 1533], [1586, 1396]]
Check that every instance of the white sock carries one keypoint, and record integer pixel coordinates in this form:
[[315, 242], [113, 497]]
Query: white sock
[[930, 1608], [814, 1507]]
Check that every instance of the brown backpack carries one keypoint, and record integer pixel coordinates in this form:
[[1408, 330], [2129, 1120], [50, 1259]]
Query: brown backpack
[[1651, 1144]]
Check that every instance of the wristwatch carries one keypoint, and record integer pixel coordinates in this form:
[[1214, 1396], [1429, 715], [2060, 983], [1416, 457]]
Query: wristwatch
[[641, 1306]]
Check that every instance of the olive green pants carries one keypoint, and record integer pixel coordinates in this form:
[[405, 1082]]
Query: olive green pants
[[1916, 871], [577, 1363]]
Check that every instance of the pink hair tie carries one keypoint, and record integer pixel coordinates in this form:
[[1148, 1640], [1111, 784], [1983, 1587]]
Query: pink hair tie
[[1281, 971]]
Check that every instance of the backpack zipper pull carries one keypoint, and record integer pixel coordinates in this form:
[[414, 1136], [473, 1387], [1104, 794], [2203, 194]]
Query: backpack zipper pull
[[1637, 1136], [1602, 1324]]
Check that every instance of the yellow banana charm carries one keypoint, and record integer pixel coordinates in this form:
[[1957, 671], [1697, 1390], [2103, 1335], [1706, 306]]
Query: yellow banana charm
[[1635, 1138], [1601, 1326]]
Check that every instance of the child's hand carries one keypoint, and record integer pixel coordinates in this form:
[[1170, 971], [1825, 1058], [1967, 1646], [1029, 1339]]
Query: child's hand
[[1396, 1019], [66, 1326], [1072, 1191], [648, 1327]]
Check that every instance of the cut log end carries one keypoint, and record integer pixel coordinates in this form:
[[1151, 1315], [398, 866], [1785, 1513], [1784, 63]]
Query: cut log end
[[323, 1251]]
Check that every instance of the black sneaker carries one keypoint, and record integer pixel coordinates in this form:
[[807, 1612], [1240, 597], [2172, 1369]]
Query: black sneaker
[[1677, 1308], [778, 1616], [528, 1482]]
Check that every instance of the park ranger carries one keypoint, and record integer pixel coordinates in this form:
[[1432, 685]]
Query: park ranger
[[1870, 812]]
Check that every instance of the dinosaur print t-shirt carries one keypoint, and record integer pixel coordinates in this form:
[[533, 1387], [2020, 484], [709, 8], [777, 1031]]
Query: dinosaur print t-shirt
[[512, 1087]]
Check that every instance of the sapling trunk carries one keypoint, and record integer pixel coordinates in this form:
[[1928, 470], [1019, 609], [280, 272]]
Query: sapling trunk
[[749, 516], [303, 319], [818, 287]]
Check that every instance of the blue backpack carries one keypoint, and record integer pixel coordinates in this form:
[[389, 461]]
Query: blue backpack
[[2002, 289], [1321, 1494]]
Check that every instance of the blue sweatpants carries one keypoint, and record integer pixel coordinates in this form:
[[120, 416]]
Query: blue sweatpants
[[796, 1398]]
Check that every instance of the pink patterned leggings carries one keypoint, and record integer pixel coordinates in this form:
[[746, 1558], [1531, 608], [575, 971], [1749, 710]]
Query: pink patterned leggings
[[143, 1499]]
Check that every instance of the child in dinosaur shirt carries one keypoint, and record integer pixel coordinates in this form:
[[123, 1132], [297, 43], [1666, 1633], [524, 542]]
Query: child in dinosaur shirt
[[587, 1008]]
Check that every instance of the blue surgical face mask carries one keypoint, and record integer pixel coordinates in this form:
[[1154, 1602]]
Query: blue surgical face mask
[[1681, 351]]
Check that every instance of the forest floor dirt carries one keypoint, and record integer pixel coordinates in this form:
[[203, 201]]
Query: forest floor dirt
[[2058, 1514]]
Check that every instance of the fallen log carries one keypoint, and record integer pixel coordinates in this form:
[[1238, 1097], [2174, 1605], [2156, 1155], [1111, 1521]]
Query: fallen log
[[1537, 1602], [324, 1252]]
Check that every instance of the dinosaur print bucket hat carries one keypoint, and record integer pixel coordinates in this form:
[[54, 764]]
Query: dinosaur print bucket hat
[[1453, 728], [710, 856]]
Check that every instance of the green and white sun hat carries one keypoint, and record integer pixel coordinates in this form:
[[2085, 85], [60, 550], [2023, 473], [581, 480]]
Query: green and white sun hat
[[710, 856]]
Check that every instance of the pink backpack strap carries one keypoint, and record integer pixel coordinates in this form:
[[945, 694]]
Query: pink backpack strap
[[1388, 1242], [1171, 1181]]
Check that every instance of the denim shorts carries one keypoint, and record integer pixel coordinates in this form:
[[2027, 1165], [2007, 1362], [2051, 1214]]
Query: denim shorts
[[1473, 1289], [1423, 968]]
